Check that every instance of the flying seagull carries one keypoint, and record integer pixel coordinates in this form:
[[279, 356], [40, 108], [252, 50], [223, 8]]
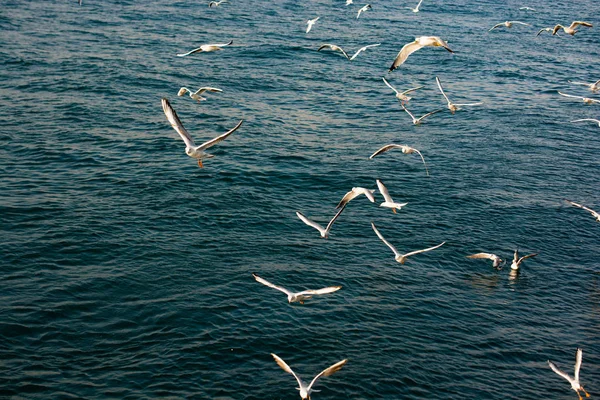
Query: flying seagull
[[594, 213], [310, 24], [348, 2], [507, 24], [334, 48], [416, 9], [205, 48], [401, 96], [355, 192], [417, 121], [191, 149], [594, 87], [495, 259], [586, 100], [453, 107], [516, 262], [324, 232], [388, 203], [571, 29], [196, 95], [363, 9], [216, 3], [300, 297], [363, 49], [526, 9], [546, 30], [588, 119], [419, 43], [575, 385], [401, 258], [405, 149], [305, 390]]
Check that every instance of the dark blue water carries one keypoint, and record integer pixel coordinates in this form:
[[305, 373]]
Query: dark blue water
[[126, 269]]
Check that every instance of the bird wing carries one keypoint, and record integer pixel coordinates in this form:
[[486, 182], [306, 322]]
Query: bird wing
[[309, 222], [384, 192], [419, 153], [412, 253], [582, 206], [575, 24], [587, 119], [412, 90], [520, 23], [570, 95], [326, 290], [409, 113], [496, 26], [176, 123], [429, 113], [207, 89], [542, 30], [286, 368], [406, 51], [578, 358], [579, 83], [390, 86], [363, 49], [384, 149], [269, 284], [218, 139], [222, 44], [388, 244], [557, 28], [357, 191], [468, 104], [526, 257], [327, 372], [488, 256], [190, 52], [441, 89], [558, 371], [334, 218]]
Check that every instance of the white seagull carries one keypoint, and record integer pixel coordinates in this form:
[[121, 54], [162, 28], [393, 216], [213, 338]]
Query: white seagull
[[419, 43], [348, 2], [416, 9], [508, 24], [363, 49], [216, 3], [401, 258], [191, 149], [575, 385], [571, 29], [401, 96], [586, 100], [546, 30], [363, 9], [355, 192], [489, 256], [417, 121], [526, 9], [405, 149], [588, 119], [388, 203], [594, 213], [300, 297], [453, 107], [310, 23], [594, 87], [196, 95], [334, 48], [305, 390], [323, 231], [516, 262], [206, 48]]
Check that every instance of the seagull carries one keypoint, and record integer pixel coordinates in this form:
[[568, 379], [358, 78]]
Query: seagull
[[452, 106], [364, 9], [594, 213], [575, 385], [508, 24], [526, 9], [363, 49], [416, 9], [594, 87], [216, 3], [401, 258], [324, 232], [306, 390], [586, 100], [334, 48], [205, 48], [355, 192], [405, 149], [300, 296], [516, 262], [196, 95], [417, 121], [402, 97], [348, 2], [496, 260], [388, 203], [419, 43], [310, 24], [191, 149], [546, 30], [571, 30], [588, 119]]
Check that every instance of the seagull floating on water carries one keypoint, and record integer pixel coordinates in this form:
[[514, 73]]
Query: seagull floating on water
[[196, 95], [300, 297], [363, 9], [216, 3], [416, 9], [586, 100], [452, 106], [334, 48], [355, 192], [516, 262], [571, 29], [191, 149], [594, 86], [575, 385], [206, 48], [323, 231], [417, 121], [363, 49], [489, 256], [305, 390], [401, 96], [419, 43], [594, 213], [388, 203], [588, 119], [405, 149], [401, 258], [310, 23]]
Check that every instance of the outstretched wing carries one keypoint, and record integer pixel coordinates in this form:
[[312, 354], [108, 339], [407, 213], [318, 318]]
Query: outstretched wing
[[441, 89], [269, 284], [578, 359], [326, 290], [218, 139], [488, 256], [385, 148], [406, 51], [390, 86], [558, 371], [419, 153], [384, 192], [412, 253], [357, 191], [286, 367], [334, 218], [570, 95], [412, 90], [526, 257], [388, 244], [190, 52], [309, 222], [575, 24], [520, 23], [496, 26], [207, 89], [176, 123], [428, 114], [327, 372]]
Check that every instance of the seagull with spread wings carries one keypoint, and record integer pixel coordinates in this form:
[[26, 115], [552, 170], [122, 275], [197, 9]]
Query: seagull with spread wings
[[516, 262], [419, 43], [363, 49], [597, 121], [196, 95], [405, 149], [206, 48], [453, 107], [300, 297], [508, 24], [310, 23], [401, 258], [571, 29], [363, 9], [323, 231], [334, 48], [355, 192], [417, 121], [216, 3], [488, 256], [594, 213], [401, 96], [586, 100], [389, 202], [575, 385], [594, 86]]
